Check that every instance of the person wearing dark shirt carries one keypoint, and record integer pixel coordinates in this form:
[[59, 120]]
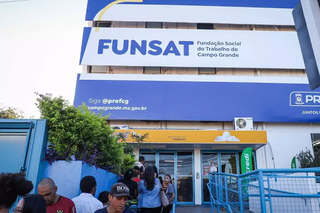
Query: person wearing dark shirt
[[118, 197], [103, 197], [55, 202], [133, 186]]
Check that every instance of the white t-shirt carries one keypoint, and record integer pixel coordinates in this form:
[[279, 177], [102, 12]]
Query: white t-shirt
[[86, 203], [139, 164]]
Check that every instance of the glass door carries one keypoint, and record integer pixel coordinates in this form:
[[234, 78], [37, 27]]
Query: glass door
[[210, 163], [179, 165], [229, 163], [166, 165], [224, 162], [185, 183]]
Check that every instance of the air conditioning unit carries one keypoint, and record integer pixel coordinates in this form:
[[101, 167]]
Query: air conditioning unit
[[243, 124], [119, 127]]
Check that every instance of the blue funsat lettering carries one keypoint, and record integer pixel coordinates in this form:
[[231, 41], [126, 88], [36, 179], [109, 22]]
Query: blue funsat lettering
[[144, 47]]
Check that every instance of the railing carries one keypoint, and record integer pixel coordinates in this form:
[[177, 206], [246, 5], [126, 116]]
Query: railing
[[266, 191]]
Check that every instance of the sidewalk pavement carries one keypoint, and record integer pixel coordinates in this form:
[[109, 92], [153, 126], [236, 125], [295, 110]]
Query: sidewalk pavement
[[193, 209]]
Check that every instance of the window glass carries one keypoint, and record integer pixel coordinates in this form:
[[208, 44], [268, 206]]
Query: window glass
[[150, 159]]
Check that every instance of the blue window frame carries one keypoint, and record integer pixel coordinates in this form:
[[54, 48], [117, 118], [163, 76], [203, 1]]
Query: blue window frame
[[22, 147]]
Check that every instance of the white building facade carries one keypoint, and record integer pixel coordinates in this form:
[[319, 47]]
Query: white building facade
[[183, 71]]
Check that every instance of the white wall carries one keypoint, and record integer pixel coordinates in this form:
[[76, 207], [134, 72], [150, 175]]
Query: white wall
[[197, 169], [285, 140]]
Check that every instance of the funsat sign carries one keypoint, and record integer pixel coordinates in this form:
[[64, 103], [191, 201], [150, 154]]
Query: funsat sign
[[190, 48]]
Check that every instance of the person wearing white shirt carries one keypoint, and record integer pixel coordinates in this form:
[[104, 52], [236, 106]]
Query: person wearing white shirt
[[140, 164], [86, 202]]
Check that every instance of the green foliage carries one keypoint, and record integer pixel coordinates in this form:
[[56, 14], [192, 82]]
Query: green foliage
[[76, 132], [11, 113], [129, 148], [307, 160]]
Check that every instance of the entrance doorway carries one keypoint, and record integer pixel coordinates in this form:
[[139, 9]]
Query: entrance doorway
[[180, 166], [222, 161], [216, 162]]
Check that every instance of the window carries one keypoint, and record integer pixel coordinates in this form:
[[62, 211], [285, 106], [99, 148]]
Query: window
[[153, 24], [12, 143], [89, 69], [205, 26], [207, 71], [315, 138], [102, 24], [150, 159], [151, 70]]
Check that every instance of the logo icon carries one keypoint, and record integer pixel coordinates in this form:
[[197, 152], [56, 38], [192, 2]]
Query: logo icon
[[304, 99], [299, 99], [226, 136]]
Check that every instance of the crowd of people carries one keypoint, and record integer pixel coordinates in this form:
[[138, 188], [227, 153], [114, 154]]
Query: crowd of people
[[140, 186]]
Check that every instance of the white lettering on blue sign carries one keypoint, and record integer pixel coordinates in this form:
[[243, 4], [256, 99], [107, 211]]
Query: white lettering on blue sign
[[153, 47], [108, 101], [305, 99]]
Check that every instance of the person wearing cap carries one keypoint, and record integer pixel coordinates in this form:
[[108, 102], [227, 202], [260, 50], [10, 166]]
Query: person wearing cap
[[118, 197]]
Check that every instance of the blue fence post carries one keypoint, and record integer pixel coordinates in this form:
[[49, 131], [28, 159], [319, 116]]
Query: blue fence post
[[226, 190], [240, 194], [269, 195], [262, 195], [220, 191]]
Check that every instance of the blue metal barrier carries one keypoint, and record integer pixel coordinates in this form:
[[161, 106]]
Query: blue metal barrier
[[266, 191]]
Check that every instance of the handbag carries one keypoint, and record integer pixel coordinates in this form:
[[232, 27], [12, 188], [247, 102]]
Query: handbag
[[164, 199]]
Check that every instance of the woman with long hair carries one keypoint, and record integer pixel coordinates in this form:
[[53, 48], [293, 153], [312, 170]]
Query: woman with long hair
[[149, 190], [12, 185], [32, 203], [169, 190]]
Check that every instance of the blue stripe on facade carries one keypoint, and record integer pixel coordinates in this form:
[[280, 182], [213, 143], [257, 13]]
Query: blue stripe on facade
[[85, 38], [94, 6], [200, 101]]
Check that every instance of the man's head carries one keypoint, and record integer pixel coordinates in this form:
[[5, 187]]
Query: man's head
[[118, 196], [88, 184], [48, 189], [141, 159], [104, 197]]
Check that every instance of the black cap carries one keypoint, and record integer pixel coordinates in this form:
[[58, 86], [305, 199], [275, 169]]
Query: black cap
[[119, 190]]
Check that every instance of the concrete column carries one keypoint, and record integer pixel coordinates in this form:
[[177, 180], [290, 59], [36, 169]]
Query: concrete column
[[197, 176]]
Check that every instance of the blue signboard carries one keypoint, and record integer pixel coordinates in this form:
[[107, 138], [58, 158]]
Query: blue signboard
[[199, 101], [94, 6]]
